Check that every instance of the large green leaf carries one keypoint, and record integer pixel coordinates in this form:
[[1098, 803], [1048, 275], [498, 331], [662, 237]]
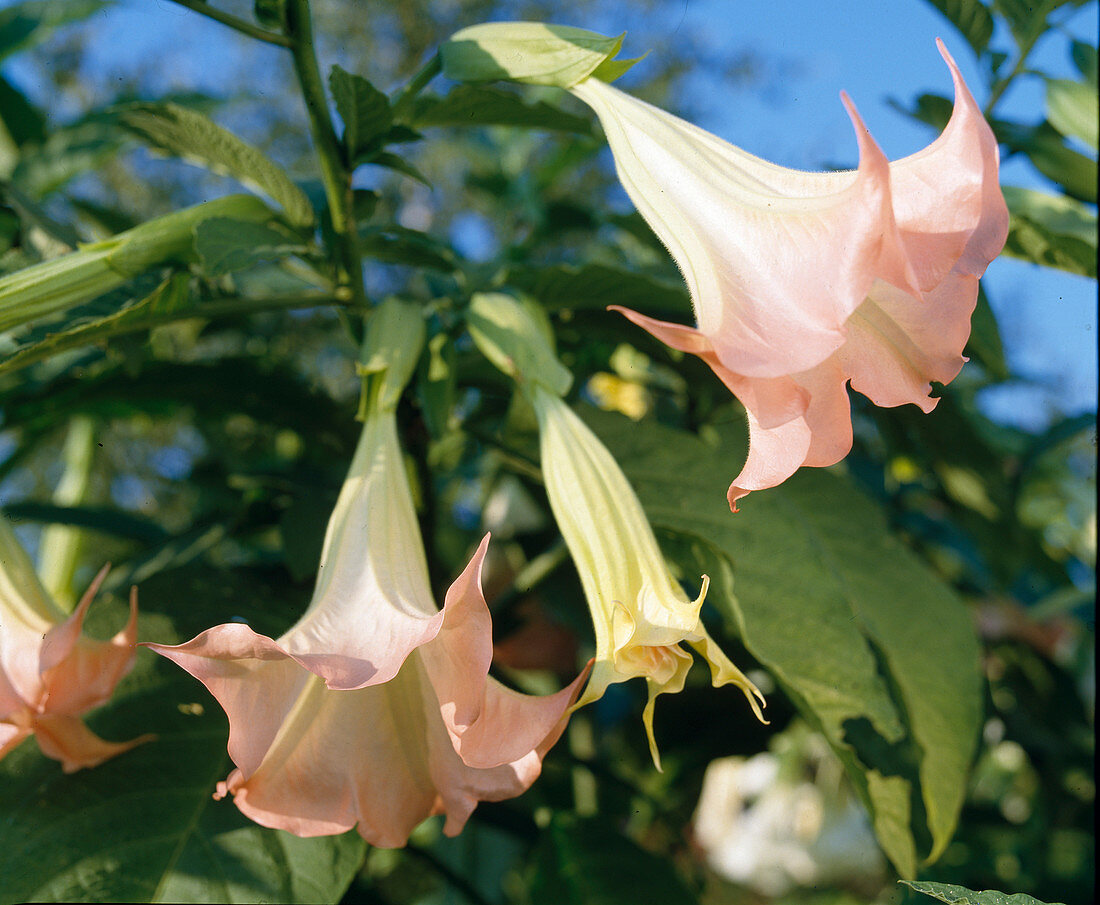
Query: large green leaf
[[20, 121], [971, 17], [960, 895], [195, 137], [143, 827], [225, 245], [563, 286], [867, 642], [586, 861], [1051, 156], [364, 109], [1051, 230], [482, 105], [97, 321], [1072, 109]]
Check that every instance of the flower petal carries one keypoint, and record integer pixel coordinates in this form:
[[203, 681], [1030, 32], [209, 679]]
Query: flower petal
[[489, 724], [67, 739], [378, 759], [372, 553], [775, 259], [821, 435], [947, 197], [79, 673]]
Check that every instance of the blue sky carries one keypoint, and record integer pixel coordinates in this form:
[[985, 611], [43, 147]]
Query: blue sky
[[807, 52]]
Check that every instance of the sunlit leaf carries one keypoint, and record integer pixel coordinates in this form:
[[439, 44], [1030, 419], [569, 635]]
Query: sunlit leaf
[[960, 895], [1051, 230], [185, 133], [97, 322], [1072, 109], [858, 660]]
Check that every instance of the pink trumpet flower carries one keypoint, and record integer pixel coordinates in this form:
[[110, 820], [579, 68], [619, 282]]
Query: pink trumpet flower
[[802, 282], [50, 673], [375, 710]]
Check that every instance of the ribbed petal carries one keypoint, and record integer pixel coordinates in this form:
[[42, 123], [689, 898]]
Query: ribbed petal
[[255, 681], [775, 259], [895, 349], [931, 223], [947, 196], [489, 724], [314, 761], [372, 554], [779, 444], [79, 673]]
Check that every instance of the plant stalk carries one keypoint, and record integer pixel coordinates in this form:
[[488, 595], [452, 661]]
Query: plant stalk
[[334, 172], [236, 23]]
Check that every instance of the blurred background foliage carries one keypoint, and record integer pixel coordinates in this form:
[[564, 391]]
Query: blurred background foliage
[[199, 446]]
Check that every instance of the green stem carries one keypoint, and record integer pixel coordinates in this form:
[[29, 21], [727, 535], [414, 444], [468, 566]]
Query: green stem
[[334, 173], [1001, 86], [60, 545], [406, 95], [236, 23]]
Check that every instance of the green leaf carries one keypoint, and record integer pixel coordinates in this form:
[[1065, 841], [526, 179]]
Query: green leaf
[[224, 245], [22, 121], [869, 644], [960, 895], [23, 25], [97, 322], [972, 18], [1085, 59], [67, 153], [1026, 20], [95, 518], [144, 827], [364, 109], [185, 133], [1070, 169], [394, 244], [985, 345], [587, 861], [564, 286], [1051, 230], [270, 13], [933, 109], [1072, 109], [400, 164], [483, 105]]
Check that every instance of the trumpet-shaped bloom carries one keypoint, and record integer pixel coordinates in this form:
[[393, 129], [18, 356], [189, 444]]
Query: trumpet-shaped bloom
[[640, 614], [49, 672], [802, 282], [375, 710]]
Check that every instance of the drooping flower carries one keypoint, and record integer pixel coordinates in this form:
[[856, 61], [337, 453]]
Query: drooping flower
[[50, 673], [802, 282], [641, 615], [375, 710]]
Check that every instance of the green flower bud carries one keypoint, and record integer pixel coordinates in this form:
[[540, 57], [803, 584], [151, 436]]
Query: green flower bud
[[529, 52]]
